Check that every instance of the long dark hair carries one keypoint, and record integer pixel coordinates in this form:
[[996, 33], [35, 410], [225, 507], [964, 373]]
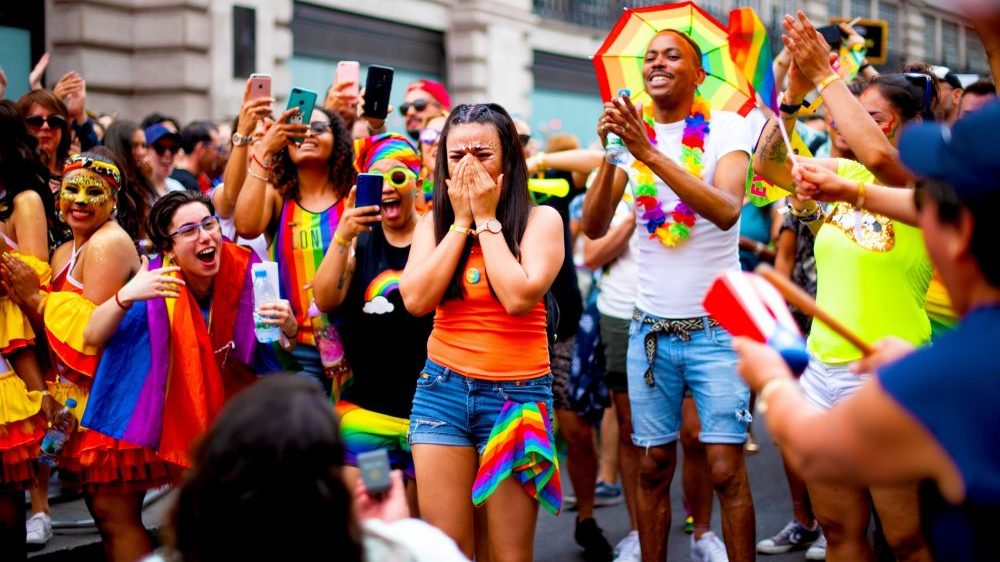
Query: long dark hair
[[162, 214], [515, 202], [49, 100], [128, 214], [20, 168], [285, 175], [269, 469], [913, 94], [118, 139]]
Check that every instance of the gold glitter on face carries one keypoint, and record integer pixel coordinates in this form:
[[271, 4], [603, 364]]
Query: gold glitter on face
[[84, 188]]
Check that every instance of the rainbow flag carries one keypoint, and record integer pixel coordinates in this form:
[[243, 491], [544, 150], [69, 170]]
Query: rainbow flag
[[751, 51], [160, 381], [521, 445]]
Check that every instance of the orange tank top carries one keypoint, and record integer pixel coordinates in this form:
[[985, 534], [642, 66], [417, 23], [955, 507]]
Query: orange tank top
[[476, 337]]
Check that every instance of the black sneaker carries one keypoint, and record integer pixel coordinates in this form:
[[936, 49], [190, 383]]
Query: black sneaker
[[596, 547]]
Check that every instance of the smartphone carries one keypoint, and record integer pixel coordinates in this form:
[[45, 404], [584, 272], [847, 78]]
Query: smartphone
[[378, 86], [833, 34], [369, 190], [375, 471], [305, 100], [260, 86], [349, 71]]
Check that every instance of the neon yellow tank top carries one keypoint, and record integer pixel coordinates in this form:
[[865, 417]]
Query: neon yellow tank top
[[872, 274]]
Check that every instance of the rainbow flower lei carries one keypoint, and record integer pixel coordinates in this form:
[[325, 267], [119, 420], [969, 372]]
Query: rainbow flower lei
[[678, 229]]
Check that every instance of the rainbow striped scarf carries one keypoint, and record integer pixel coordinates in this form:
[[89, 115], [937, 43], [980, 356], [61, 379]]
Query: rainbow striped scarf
[[521, 445]]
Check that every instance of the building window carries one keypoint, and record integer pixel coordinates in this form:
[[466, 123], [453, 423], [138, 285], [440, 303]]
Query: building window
[[949, 44], [835, 8], [860, 8], [244, 41], [975, 54], [930, 39], [890, 13]]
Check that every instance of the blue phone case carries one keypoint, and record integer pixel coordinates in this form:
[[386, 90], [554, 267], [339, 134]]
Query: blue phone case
[[305, 100], [369, 190]]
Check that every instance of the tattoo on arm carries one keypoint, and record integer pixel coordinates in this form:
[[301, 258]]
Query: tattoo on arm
[[774, 147]]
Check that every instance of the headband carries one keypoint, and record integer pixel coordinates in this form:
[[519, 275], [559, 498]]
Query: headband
[[381, 147], [435, 89], [104, 169]]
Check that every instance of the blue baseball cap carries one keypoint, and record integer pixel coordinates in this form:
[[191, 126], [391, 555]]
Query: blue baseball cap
[[964, 154], [158, 131]]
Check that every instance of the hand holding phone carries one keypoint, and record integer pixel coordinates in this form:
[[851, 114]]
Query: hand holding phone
[[375, 471], [260, 86], [378, 86], [369, 190], [305, 101], [349, 72]]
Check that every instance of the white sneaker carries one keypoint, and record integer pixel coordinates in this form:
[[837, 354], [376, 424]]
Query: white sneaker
[[38, 529], [627, 549], [818, 549], [708, 549]]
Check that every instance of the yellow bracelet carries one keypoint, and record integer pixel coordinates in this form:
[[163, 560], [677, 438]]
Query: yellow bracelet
[[341, 240], [827, 81], [462, 230], [541, 162], [862, 187]]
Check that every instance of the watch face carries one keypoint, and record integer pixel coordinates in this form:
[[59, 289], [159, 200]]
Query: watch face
[[240, 140], [494, 226]]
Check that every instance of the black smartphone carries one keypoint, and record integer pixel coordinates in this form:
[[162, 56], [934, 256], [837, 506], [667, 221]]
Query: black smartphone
[[833, 34], [375, 472], [378, 86], [369, 190]]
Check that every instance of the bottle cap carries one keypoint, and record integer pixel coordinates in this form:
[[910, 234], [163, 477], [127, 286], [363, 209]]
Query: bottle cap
[[260, 273], [71, 403], [624, 92]]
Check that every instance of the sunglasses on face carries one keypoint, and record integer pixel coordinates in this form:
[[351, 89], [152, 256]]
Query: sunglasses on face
[[54, 121], [525, 139], [418, 105], [320, 127], [397, 177], [188, 232], [161, 148], [430, 136]]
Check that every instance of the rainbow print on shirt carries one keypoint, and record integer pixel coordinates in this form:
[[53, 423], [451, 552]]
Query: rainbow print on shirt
[[377, 294]]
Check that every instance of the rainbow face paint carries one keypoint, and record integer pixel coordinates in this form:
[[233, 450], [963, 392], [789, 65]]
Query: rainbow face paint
[[890, 127]]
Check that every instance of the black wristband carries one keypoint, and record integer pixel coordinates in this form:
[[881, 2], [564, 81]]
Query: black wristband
[[864, 66], [789, 109]]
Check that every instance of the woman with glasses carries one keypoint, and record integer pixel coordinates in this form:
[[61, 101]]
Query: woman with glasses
[[428, 146], [294, 194], [359, 279], [92, 272], [872, 272], [482, 261]]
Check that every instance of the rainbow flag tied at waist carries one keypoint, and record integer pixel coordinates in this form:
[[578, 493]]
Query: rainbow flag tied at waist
[[159, 383], [520, 445]]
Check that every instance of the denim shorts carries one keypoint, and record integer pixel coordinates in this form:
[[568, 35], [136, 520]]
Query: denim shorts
[[706, 364], [452, 409]]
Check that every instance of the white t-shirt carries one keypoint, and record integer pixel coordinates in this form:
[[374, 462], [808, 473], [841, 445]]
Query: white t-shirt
[[673, 281], [619, 280]]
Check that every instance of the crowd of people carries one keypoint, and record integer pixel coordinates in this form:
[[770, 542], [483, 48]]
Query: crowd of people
[[470, 315]]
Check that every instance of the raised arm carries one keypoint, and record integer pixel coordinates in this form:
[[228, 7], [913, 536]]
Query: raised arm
[[607, 188], [256, 202], [235, 173], [602, 251], [578, 160], [334, 275], [868, 142], [819, 183]]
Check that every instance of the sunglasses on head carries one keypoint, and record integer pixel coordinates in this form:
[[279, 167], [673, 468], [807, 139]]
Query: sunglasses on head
[[916, 79], [525, 139], [161, 148], [397, 177], [54, 121], [419, 105], [430, 136]]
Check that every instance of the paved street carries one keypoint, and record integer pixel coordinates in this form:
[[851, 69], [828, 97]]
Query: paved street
[[554, 542]]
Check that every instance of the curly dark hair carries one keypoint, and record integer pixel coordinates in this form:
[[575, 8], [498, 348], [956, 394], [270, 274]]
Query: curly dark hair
[[162, 214], [49, 100], [269, 469], [341, 163], [20, 168]]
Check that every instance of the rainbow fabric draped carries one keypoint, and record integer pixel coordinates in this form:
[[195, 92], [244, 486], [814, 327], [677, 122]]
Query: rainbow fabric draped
[[521, 445], [160, 381], [751, 51]]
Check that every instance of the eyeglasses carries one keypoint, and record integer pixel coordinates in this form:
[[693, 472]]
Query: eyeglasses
[[419, 105], [320, 127], [398, 177], [430, 136], [161, 148], [55, 121], [188, 232], [525, 139]]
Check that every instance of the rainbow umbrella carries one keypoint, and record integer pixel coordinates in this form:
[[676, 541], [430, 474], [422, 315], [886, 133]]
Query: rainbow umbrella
[[618, 61]]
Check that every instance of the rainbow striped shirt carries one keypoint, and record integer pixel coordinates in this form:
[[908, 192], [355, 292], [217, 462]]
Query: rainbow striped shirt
[[299, 245]]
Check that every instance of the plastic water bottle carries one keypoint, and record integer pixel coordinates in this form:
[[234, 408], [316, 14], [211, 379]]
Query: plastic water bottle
[[55, 437], [263, 293], [615, 150]]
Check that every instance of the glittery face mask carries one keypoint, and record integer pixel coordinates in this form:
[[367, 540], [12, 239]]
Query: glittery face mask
[[85, 189]]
